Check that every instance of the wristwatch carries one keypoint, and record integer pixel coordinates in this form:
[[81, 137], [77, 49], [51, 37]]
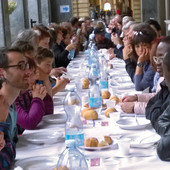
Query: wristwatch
[[140, 64]]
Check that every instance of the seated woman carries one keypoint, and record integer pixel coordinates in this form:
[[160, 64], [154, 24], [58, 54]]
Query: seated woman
[[61, 53], [144, 74], [138, 103]]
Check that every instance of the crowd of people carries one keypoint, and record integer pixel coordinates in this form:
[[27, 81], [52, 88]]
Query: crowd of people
[[26, 67]]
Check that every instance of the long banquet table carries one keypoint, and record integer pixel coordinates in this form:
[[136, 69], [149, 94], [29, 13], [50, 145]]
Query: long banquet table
[[138, 159]]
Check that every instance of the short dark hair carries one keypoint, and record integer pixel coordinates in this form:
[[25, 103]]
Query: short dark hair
[[43, 53], [4, 55], [143, 33], [166, 59], [154, 23], [74, 20]]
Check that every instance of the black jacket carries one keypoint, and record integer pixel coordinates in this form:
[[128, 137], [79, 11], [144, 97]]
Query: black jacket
[[60, 55], [130, 68], [157, 105], [162, 125], [163, 150]]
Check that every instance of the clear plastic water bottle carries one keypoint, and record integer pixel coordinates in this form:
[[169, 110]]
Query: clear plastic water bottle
[[94, 73], [73, 126], [95, 99], [71, 52], [71, 158], [103, 83]]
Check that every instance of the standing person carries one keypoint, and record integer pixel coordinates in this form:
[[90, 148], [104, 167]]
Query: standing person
[[16, 72]]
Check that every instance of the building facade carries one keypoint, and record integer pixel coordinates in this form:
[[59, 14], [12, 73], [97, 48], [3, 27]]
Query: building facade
[[30, 12]]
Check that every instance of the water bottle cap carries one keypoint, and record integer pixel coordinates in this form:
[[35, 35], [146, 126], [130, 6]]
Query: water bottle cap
[[70, 143], [71, 88], [91, 36]]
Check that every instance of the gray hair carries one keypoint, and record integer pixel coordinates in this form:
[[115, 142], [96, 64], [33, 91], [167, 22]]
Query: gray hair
[[28, 35]]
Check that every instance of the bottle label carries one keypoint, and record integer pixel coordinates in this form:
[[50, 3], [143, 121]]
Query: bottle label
[[103, 85], [89, 62], [95, 102], [78, 137]]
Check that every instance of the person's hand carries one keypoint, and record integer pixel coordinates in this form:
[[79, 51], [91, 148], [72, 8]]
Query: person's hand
[[39, 91], [127, 107], [127, 51], [144, 55], [58, 71], [111, 53], [127, 41], [115, 39], [130, 98], [61, 83], [2, 141], [71, 46]]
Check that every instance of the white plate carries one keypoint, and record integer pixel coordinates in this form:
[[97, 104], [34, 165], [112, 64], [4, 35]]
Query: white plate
[[131, 124], [44, 137], [143, 140], [55, 118], [38, 163], [99, 148]]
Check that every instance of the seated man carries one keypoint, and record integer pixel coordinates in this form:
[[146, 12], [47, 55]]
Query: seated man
[[100, 40], [162, 124], [16, 72]]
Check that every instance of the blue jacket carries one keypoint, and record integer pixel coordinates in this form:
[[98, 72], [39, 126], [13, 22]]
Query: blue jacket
[[144, 80]]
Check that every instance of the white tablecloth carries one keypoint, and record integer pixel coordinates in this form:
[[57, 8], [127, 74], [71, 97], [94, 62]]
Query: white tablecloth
[[140, 159]]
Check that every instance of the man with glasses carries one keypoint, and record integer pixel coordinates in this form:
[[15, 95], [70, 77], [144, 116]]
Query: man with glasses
[[160, 101], [16, 72]]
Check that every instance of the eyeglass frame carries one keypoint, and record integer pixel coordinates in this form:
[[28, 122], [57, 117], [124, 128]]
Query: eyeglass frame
[[20, 65], [160, 58]]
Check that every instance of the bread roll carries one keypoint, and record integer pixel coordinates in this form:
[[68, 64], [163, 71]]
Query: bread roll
[[61, 168], [90, 115], [115, 98], [84, 110], [105, 94], [102, 143], [85, 83], [91, 142], [108, 139], [108, 111], [86, 105]]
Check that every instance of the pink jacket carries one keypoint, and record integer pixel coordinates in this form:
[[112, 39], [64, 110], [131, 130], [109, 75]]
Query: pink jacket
[[140, 105]]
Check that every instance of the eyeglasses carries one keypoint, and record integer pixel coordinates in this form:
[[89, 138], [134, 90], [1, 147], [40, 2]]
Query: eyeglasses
[[22, 65], [159, 59]]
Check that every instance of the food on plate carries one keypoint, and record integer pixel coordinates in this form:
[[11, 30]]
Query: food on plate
[[105, 94], [102, 143], [108, 111], [108, 139], [61, 168], [91, 142], [90, 115], [85, 83], [86, 105], [84, 110], [115, 98]]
